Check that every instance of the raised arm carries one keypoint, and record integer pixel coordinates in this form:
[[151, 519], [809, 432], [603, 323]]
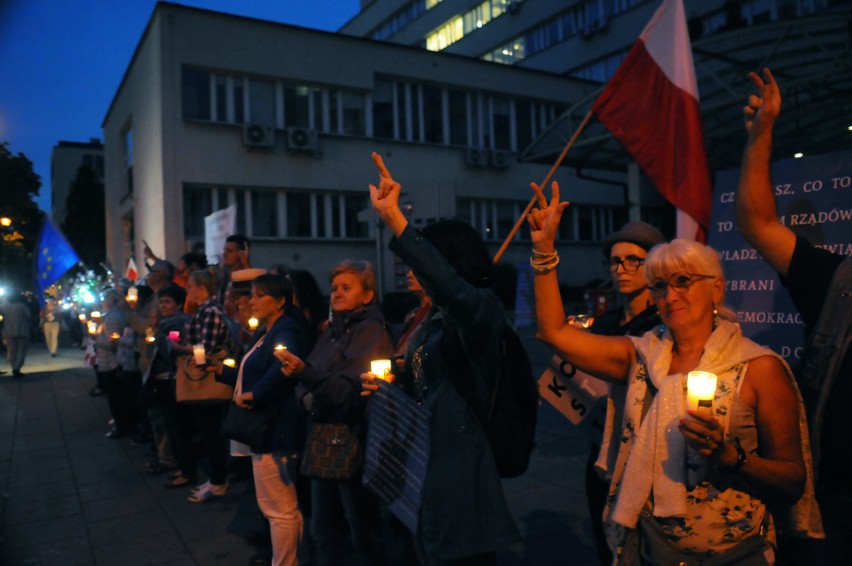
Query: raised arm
[[385, 198], [757, 216], [603, 356]]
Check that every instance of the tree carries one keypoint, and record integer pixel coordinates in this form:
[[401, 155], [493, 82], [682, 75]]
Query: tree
[[18, 185], [85, 219]]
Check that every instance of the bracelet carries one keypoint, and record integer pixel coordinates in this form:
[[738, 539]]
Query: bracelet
[[741, 455], [537, 253], [544, 265]]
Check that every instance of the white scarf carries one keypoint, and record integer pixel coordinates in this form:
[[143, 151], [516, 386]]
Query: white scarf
[[653, 459]]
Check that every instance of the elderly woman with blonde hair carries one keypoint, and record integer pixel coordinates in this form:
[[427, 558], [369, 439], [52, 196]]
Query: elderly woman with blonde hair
[[687, 485]]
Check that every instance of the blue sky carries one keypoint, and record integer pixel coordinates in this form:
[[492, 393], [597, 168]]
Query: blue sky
[[62, 60]]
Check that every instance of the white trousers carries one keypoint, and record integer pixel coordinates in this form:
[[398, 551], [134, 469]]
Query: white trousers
[[276, 497]]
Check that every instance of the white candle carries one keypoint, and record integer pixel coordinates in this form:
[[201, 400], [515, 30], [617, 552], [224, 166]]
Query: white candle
[[96, 314], [230, 362], [253, 322], [82, 317], [132, 295], [93, 327], [280, 347], [700, 390], [381, 368], [198, 352]]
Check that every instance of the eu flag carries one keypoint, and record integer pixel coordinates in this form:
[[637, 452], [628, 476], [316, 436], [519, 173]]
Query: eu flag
[[54, 256]]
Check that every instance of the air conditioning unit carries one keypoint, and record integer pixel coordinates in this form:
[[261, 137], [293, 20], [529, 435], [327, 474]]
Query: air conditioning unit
[[258, 135], [498, 159], [475, 157], [302, 139]]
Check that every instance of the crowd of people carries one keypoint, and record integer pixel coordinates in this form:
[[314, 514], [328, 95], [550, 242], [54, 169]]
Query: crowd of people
[[737, 482]]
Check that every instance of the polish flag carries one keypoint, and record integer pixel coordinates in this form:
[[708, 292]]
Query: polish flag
[[651, 106], [131, 272]]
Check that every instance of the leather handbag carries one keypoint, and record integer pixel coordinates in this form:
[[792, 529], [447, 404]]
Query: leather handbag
[[333, 451], [194, 384], [253, 427]]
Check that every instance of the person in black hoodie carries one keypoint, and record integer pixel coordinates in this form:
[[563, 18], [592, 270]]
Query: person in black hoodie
[[330, 386]]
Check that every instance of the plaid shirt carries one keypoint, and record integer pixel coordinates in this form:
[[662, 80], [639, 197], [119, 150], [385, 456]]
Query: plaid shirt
[[207, 326]]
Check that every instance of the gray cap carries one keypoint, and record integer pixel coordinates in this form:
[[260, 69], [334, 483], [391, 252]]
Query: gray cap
[[640, 233]]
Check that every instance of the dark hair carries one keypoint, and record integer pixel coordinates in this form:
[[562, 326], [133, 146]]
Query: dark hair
[[275, 286], [204, 278], [174, 292], [143, 293], [281, 269], [238, 239], [463, 247], [307, 295], [191, 258]]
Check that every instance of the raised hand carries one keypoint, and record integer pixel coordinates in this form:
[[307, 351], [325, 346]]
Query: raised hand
[[762, 108], [385, 198], [544, 221]]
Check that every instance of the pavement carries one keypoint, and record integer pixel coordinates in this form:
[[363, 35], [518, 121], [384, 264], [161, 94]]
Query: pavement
[[70, 496]]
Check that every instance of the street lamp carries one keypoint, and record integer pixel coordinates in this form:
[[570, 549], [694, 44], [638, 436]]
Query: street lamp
[[5, 222]]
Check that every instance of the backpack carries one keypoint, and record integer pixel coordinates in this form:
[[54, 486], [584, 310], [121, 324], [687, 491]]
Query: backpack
[[510, 418]]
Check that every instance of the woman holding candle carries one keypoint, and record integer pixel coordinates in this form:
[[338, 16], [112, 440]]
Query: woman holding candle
[[258, 386], [687, 483], [330, 387], [463, 518], [207, 327]]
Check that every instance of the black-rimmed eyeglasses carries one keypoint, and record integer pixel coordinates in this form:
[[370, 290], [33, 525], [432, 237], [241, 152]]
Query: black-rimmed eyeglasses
[[629, 264], [680, 282]]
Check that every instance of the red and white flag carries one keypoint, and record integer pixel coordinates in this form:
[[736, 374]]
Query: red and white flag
[[651, 106], [131, 272]]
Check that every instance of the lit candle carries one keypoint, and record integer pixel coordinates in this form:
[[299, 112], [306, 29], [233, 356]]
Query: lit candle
[[82, 317], [174, 335], [381, 368], [253, 322], [198, 352], [700, 390], [132, 295], [280, 347], [114, 336], [149, 335], [93, 327], [96, 314], [230, 362]]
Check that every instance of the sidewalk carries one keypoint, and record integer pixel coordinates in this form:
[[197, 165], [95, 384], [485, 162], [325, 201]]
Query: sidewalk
[[72, 496]]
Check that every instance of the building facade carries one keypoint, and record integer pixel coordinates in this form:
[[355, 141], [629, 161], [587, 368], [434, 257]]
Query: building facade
[[216, 110]]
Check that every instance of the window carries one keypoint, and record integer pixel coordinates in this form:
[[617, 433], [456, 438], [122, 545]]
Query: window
[[296, 106], [298, 215], [433, 115], [353, 114], [383, 110], [195, 94], [197, 203], [264, 214], [501, 128], [458, 117], [262, 102], [354, 228]]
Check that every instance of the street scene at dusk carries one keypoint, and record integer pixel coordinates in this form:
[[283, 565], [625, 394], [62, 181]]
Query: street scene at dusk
[[425, 282]]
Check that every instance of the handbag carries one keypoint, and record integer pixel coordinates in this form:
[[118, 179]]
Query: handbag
[[195, 385], [333, 451], [253, 427], [654, 548]]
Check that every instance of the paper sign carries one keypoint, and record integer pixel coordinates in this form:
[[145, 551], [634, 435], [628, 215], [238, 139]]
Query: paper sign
[[576, 394]]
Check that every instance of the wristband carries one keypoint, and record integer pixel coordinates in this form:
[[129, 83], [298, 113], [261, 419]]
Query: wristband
[[741, 455]]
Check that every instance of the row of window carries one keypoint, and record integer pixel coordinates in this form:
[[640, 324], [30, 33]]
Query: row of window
[[269, 213], [470, 21], [402, 17], [591, 15], [583, 17], [396, 110]]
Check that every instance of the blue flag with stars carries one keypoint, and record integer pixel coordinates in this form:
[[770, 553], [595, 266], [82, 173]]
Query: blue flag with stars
[[54, 256]]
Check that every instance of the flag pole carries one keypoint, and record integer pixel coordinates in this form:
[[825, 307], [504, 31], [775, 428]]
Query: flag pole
[[533, 200]]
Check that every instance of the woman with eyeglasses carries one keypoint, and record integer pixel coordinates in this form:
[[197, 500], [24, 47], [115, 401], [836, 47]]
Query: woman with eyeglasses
[[698, 484]]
